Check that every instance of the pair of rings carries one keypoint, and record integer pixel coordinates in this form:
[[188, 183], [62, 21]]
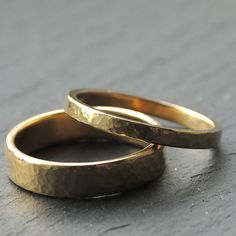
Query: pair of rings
[[100, 114]]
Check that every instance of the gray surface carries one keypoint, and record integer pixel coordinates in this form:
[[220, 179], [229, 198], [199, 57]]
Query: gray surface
[[181, 51]]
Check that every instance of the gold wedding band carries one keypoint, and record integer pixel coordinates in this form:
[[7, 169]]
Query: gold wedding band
[[82, 179], [201, 131]]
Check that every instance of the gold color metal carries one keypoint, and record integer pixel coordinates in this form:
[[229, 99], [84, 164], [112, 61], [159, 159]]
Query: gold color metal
[[201, 131], [84, 179]]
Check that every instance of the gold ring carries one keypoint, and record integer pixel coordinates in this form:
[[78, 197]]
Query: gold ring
[[82, 179], [199, 132]]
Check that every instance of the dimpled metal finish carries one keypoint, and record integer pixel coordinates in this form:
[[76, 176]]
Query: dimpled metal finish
[[201, 131], [85, 179]]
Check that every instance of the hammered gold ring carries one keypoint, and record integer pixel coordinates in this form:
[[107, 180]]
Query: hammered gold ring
[[200, 132], [82, 179]]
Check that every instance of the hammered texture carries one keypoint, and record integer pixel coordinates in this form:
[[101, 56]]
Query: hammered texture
[[85, 181], [203, 133], [63, 179]]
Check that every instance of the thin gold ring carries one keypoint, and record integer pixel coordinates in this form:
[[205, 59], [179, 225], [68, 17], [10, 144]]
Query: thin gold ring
[[200, 132], [82, 179]]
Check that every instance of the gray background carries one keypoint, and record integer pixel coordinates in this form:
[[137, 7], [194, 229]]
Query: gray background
[[181, 51]]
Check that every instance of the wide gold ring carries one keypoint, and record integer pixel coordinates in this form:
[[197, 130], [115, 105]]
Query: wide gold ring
[[82, 179], [201, 131]]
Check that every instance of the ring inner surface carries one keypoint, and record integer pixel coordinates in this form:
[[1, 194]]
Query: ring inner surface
[[171, 112], [43, 136]]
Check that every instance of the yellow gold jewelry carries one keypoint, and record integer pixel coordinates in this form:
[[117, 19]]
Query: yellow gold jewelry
[[202, 132], [84, 179]]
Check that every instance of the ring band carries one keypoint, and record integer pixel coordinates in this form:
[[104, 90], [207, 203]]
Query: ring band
[[201, 131], [84, 179]]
